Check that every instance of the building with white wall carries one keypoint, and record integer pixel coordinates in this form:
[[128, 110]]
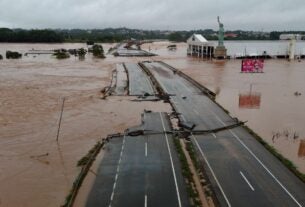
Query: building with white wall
[[291, 36], [199, 46]]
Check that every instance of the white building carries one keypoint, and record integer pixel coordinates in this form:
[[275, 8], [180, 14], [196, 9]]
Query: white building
[[199, 46], [291, 36]]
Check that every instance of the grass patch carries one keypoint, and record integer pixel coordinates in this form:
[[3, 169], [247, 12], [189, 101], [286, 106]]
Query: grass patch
[[187, 174]]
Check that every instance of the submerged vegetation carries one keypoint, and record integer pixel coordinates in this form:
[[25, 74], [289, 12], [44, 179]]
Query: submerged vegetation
[[61, 54], [81, 53], [13, 55], [289, 164], [97, 51]]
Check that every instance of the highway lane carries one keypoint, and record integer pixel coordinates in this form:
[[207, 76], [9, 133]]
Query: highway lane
[[243, 173], [129, 52], [184, 95], [147, 171], [139, 83], [101, 191]]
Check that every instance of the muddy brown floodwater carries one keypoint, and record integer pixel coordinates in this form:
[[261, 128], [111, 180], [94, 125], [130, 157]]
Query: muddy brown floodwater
[[36, 171]]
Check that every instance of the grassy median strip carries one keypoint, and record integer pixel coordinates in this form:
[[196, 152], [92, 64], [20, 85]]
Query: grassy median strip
[[187, 174]]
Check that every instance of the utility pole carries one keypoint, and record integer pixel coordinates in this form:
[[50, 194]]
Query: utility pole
[[60, 118]]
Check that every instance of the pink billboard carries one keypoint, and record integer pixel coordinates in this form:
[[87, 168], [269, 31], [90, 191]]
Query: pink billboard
[[252, 66]]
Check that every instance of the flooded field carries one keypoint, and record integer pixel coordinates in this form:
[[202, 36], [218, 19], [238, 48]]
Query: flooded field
[[41, 171], [34, 167]]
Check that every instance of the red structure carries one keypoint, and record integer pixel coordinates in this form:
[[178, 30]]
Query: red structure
[[250, 100], [252, 66]]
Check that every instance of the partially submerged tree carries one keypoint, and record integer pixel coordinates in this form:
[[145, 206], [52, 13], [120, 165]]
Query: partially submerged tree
[[61, 54], [13, 55], [97, 51], [90, 42], [81, 53]]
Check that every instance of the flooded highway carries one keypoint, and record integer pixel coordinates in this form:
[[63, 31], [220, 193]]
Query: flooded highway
[[141, 170], [267, 101], [234, 150], [31, 89]]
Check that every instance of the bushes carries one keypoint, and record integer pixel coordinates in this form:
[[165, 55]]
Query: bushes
[[1, 57], [90, 42], [98, 51], [13, 55], [61, 54], [81, 53]]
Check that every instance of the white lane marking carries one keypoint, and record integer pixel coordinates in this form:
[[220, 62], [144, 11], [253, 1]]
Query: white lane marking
[[196, 111], [260, 162], [171, 159], [114, 185], [145, 202], [214, 135], [145, 149], [247, 181], [117, 172], [209, 166]]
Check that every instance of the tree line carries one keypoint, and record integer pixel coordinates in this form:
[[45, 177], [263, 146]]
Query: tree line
[[116, 35], [19, 35]]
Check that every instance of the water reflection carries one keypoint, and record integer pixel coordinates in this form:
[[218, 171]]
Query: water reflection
[[301, 152], [250, 100]]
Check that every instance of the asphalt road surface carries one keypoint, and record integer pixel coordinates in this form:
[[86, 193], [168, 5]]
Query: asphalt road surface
[[139, 83], [121, 80], [241, 170], [141, 171], [124, 52]]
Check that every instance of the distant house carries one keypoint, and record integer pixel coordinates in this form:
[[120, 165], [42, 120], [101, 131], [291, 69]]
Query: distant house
[[290, 36], [231, 35], [199, 46]]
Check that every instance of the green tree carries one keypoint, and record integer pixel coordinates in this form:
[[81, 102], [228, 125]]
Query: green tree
[[81, 53], [176, 37], [98, 51]]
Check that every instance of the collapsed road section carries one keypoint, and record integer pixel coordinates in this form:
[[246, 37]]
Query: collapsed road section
[[130, 50], [141, 170], [241, 170], [130, 79], [139, 82], [121, 80]]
